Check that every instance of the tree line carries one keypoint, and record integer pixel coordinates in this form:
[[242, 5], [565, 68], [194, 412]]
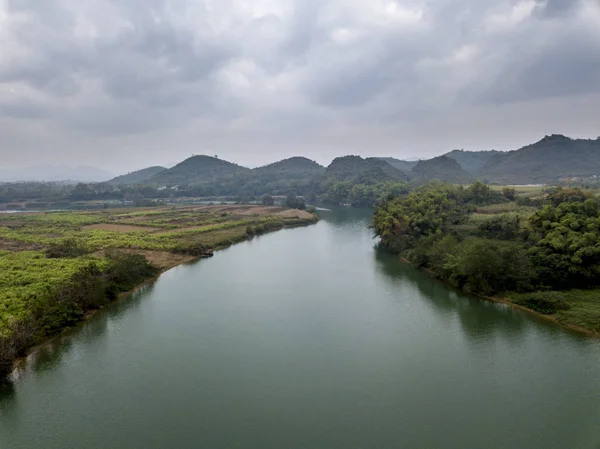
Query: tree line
[[555, 248]]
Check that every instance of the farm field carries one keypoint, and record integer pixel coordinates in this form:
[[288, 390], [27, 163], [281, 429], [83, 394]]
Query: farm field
[[56, 266]]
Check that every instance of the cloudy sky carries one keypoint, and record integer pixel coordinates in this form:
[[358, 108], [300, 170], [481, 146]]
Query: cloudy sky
[[123, 84]]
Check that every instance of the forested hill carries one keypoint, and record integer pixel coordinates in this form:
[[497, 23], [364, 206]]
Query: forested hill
[[546, 161], [441, 168], [197, 169], [292, 165], [137, 177], [359, 170], [405, 166], [471, 161]]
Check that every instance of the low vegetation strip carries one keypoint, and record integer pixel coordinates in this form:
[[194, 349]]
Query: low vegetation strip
[[542, 253], [56, 267]]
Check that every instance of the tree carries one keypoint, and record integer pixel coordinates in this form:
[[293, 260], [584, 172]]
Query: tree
[[294, 202], [267, 200]]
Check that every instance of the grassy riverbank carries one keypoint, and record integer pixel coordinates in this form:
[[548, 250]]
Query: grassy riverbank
[[56, 267], [539, 252]]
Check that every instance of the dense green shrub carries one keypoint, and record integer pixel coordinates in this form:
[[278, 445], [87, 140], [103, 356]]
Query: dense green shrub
[[544, 302], [69, 248], [489, 266]]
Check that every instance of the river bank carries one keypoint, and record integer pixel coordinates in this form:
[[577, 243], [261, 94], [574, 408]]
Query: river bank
[[165, 237], [275, 343], [505, 299]]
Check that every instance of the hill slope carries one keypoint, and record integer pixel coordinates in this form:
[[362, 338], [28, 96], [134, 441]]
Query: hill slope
[[405, 166], [441, 168], [197, 169], [291, 165], [471, 161], [363, 171], [546, 161], [138, 176]]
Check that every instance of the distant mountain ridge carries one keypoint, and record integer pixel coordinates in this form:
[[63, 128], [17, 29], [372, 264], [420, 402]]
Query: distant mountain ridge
[[546, 161], [554, 157], [138, 176], [197, 169], [292, 164], [441, 168], [472, 161], [356, 169], [400, 164]]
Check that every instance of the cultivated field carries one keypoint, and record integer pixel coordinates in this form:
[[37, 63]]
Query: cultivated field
[[166, 236]]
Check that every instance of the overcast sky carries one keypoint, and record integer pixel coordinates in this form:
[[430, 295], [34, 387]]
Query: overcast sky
[[123, 84]]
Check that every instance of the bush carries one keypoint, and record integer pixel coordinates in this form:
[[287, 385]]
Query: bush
[[547, 303], [294, 202], [126, 271], [67, 248], [489, 266]]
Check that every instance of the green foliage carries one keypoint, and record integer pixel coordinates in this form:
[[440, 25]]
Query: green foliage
[[471, 161], [68, 247], [509, 193], [503, 227], [561, 195], [566, 243], [544, 162], [294, 202], [196, 169], [402, 221], [488, 266], [547, 303], [440, 168], [267, 200], [137, 177]]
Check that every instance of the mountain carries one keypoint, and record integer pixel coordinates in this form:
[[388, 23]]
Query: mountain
[[137, 177], [363, 171], [441, 168], [546, 161], [197, 169], [52, 173], [471, 161], [405, 166], [296, 174], [291, 165]]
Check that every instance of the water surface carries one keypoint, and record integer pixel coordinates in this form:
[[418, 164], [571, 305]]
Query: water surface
[[307, 338]]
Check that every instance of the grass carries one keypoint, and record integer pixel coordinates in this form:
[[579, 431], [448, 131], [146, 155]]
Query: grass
[[582, 307]]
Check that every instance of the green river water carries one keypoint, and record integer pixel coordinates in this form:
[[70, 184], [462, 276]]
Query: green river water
[[307, 338]]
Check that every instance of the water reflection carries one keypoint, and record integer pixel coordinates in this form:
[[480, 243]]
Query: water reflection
[[345, 217], [48, 356], [479, 319]]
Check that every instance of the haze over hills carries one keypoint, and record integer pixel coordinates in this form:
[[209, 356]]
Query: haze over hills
[[472, 161], [356, 169], [546, 161], [52, 173], [197, 169], [139, 176], [441, 168], [291, 165], [403, 165]]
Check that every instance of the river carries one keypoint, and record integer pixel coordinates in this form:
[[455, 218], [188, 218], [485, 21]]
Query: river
[[307, 338]]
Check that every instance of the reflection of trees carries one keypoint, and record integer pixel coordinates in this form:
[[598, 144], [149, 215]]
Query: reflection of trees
[[7, 393], [480, 320], [48, 356], [347, 217]]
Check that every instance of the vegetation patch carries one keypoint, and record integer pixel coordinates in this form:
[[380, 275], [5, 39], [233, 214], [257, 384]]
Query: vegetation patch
[[55, 267], [484, 241]]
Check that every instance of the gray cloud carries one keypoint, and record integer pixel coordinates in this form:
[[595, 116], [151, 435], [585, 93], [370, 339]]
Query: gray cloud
[[276, 71]]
